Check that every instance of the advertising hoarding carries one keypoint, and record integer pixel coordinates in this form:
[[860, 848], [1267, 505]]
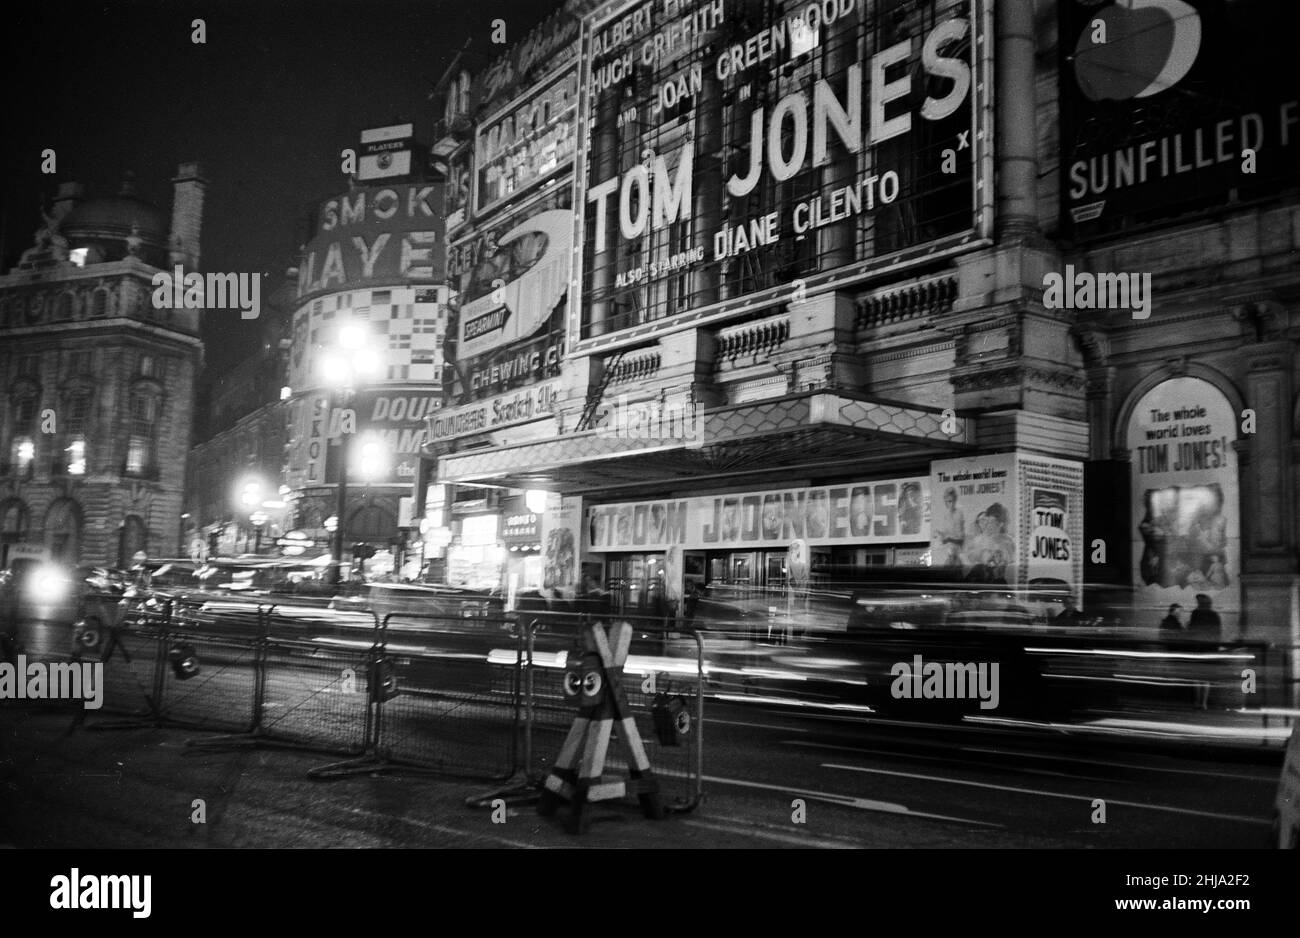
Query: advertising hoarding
[[1170, 106], [1013, 519], [494, 413], [375, 236], [511, 278], [394, 422], [854, 513], [526, 142], [732, 148], [1184, 499]]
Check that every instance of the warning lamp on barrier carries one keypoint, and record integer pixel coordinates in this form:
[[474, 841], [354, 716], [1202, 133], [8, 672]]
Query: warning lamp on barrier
[[383, 681], [672, 719], [185, 661]]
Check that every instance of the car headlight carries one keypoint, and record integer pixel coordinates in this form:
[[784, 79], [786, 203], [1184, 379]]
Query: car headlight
[[48, 584]]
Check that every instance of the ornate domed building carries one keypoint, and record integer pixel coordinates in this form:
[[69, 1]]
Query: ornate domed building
[[96, 384]]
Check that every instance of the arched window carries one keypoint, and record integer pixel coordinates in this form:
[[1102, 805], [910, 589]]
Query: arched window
[[99, 303], [63, 307], [63, 530], [135, 539]]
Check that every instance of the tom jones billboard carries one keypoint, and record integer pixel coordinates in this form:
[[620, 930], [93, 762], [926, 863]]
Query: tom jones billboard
[[375, 236], [512, 277], [1186, 523], [858, 513], [1169, 106], [736, 145]]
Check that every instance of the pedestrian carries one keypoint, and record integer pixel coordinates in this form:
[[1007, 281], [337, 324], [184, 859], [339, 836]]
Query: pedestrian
[[1171, 622], [1204, 622], [1069, 615]]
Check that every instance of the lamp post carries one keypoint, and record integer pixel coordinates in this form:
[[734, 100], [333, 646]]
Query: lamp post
[[258, 519], [340, 367]]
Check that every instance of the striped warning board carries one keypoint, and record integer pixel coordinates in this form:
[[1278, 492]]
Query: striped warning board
[[596, 685]]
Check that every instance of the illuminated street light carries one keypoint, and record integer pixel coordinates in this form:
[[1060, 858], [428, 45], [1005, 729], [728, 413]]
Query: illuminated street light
[[353, 359], [332, 523]]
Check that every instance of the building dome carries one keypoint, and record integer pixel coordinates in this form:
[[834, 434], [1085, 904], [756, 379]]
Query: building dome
[[114, 217]]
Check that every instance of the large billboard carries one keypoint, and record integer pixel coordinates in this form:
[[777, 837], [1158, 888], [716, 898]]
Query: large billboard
[[1172, 106], [528, 141], [511, 278], [884, 512], [1184, 501], [375, 236], [733, 147]]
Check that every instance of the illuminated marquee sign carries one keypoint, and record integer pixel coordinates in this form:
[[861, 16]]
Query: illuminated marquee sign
[[494, 413], [856, 513], [526, 142], [1170, 106], [734, 146], [375, 236]]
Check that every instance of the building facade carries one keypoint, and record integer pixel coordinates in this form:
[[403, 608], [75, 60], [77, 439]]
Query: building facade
[[366, 349], [96, 381], [924, 284]]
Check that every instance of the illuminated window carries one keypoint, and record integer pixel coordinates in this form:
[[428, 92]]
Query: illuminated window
[[77, 457], [78, 256], [140, 442], [24, 453]]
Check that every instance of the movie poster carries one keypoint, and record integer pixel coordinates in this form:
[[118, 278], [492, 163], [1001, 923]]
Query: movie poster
[[973, 525], [1186, 528]]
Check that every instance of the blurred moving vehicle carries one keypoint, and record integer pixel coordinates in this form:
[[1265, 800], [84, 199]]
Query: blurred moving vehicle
[[61, 608]]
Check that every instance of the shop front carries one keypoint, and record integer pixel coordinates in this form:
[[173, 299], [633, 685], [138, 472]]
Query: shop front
[[655, 553]]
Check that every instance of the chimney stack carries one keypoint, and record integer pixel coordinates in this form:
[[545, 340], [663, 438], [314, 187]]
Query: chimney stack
[[187, 215]]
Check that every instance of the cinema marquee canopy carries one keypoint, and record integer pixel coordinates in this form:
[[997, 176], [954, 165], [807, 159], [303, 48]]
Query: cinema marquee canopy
[[736, 149]]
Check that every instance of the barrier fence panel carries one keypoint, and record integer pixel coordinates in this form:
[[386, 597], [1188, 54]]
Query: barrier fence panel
[[316, 696], [131, 654], [450, 709], [664, 683]]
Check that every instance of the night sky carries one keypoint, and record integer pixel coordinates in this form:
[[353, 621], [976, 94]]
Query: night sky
[[266, 105]]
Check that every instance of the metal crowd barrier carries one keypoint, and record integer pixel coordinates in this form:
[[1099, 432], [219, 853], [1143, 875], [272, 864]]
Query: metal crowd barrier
[[475, 697]]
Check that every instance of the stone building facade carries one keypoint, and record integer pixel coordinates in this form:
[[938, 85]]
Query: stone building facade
[[96, 383]]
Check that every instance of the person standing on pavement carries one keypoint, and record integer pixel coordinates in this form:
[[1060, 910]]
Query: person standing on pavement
[[1204, 622], [1171, 622]]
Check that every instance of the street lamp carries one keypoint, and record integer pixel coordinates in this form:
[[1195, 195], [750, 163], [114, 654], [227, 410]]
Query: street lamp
[[341, 367]]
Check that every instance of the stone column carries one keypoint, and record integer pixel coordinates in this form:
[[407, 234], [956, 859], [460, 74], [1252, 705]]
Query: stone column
[[1017, 132]]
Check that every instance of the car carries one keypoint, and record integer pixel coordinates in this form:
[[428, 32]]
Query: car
[[60, 608], [409, 602]]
